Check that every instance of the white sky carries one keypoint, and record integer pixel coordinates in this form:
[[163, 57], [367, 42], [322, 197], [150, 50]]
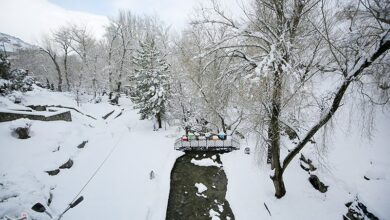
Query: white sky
[[31, 19]]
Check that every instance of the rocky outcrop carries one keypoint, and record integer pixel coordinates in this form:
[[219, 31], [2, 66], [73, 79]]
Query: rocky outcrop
[[358, 211]]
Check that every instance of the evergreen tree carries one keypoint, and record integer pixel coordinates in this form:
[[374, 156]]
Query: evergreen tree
[[151, 81], [5, 66]]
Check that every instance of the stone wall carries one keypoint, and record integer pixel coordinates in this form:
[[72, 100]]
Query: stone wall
[[9, 116]]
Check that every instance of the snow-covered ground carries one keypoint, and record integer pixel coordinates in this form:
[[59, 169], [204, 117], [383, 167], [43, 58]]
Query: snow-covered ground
[[348, 159], [123, 187]]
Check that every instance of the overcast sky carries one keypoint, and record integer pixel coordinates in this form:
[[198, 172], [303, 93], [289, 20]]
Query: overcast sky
[[31, 19]]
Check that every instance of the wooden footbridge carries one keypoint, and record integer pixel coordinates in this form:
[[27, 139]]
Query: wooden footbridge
[[212, 144]]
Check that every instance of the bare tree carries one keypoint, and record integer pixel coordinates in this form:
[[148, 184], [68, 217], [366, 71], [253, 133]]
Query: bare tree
[[63, 38], [49, 50], [82, 42], [283, 45]]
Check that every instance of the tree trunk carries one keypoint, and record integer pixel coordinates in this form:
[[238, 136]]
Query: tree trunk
[[269, 149], [59, 74], [53, 58], [66, 70], [118, 89], [277, 179], [109, 63], [223, 124], [158, 117], [122, 63], [274, 135]]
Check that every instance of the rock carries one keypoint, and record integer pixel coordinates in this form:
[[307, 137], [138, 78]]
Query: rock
[[82, 145], [317, 184], [57, 149], [9, 116], [53, 172], [240, 135], [108, 115], [23, 132], [67, 165], [120, 113], [38, 107], [151, 175], [358, 211], [18, 100], [306, 164], [290, 132], [50, 199], [115, 100]]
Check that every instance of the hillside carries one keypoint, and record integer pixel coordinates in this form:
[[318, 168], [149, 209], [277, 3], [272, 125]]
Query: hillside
[[12, 44]]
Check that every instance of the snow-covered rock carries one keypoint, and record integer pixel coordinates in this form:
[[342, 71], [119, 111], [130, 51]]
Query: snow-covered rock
[[200, 187], [206, 162]]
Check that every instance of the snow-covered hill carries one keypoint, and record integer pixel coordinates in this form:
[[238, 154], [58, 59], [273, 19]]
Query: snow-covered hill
[[12, 44]]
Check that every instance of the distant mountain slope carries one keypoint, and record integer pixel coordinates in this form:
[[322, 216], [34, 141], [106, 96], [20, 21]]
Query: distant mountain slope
[[11, 43]]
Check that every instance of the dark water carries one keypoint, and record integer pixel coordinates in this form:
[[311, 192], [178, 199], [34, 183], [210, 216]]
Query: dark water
[[185, 203]]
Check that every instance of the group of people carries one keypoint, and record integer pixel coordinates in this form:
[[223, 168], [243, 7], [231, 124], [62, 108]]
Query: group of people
[[204, 136]]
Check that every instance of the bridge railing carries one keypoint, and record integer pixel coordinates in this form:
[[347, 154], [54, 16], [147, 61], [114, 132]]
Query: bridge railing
[[229, 144]]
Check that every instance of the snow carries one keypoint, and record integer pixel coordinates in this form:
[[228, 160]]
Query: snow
[[220, 208], [12, 44], [201, 187], [206, 162], [349, 159], [121, 188], [214, 215]]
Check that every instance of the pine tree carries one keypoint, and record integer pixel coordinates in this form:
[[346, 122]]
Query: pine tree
[[151, 81]]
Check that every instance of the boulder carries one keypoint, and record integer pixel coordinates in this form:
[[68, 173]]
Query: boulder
[[67, 165], [317, 184], [306, 164], [23, 132], [53, 172], [82, 145]]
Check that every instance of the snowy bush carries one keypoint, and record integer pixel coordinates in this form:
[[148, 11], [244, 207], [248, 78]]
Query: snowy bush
[[16, 80]]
